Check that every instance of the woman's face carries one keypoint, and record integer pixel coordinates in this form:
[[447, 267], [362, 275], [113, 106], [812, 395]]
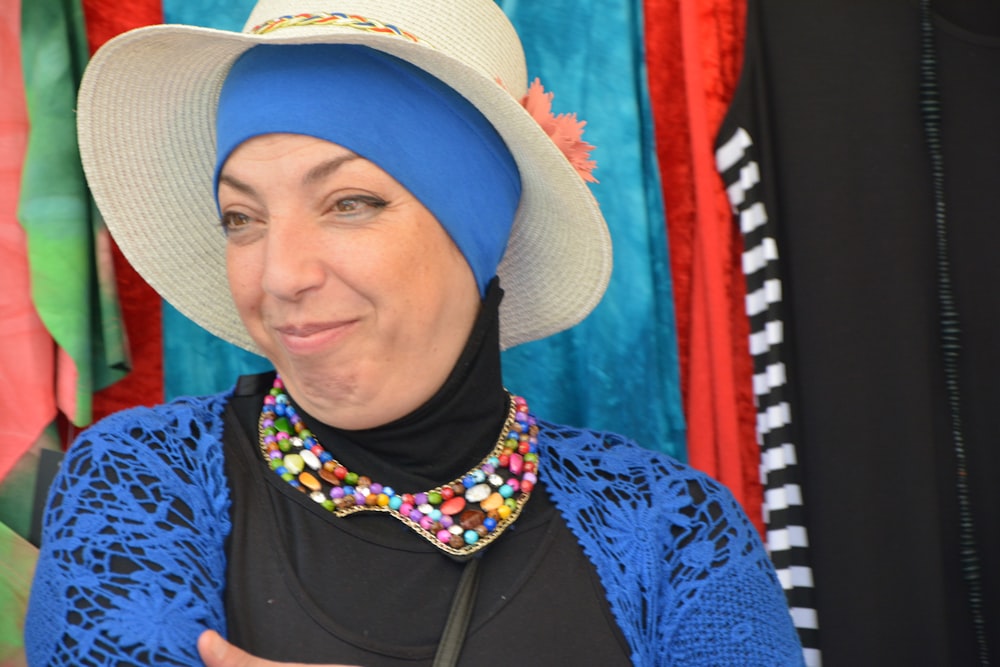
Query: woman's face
[[346, 282]]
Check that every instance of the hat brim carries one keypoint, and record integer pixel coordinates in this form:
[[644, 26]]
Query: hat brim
[[146, 124]]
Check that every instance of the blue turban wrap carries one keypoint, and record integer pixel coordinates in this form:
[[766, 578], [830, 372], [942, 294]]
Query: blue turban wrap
[[417, 129]]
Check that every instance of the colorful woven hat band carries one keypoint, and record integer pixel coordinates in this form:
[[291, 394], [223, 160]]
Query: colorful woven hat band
[[410, 124]]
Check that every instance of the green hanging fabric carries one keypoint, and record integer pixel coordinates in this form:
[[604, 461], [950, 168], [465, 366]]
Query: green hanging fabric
[[17, 564], [72, 281]]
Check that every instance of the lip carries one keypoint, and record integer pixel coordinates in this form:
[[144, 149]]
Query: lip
[[312, 337]]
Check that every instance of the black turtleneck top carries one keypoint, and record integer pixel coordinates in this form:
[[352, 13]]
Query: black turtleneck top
[[305, 586]]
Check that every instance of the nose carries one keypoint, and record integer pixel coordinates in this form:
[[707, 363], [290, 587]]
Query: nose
[[293, 260]]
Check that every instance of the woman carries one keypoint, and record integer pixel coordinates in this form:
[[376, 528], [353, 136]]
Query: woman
[[392, 217]]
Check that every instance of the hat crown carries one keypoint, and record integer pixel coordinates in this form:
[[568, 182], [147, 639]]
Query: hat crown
[[474, 32]]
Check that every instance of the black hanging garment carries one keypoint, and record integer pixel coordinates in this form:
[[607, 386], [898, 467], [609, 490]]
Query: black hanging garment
[[905, 550], [743, 158]]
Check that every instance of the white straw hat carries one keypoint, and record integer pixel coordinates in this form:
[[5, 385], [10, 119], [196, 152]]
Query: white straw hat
[[146, 122]]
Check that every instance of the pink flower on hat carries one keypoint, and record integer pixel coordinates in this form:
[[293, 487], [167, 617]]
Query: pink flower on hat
[[564, 129]]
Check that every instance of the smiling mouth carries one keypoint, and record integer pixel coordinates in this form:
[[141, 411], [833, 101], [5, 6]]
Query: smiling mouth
[[307, 330], [308, 338]]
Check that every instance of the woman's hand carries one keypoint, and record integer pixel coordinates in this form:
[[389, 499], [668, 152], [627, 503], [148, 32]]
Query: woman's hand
[[217, 652]]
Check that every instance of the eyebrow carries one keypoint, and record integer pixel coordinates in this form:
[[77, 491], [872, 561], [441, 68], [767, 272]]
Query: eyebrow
[[324, 169], [317, 173]]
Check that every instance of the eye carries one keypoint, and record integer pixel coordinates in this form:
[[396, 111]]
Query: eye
[[233, 221], [356, 205]]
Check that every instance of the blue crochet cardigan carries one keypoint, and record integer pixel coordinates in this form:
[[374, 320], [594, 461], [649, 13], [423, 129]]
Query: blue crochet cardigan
[[132, 565]]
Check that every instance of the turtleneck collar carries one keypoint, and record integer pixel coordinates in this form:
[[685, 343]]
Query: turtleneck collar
[[446, 436]]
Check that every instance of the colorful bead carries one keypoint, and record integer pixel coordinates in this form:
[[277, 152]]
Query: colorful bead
[[471, 518], [294, 463], [310, 482], [478, 493], [310, 459], [453, 505], [491, 502], [460, 517]]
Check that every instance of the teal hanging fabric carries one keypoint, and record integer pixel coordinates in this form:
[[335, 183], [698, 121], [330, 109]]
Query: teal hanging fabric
[[221, 14], [195, 361], [618, 369]]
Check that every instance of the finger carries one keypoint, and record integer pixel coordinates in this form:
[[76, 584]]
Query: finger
[[217, 652]]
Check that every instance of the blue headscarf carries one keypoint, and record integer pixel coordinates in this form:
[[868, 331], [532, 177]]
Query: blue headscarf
[[417, 129]]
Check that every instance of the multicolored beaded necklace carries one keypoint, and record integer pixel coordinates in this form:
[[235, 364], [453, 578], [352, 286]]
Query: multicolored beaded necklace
[[459, 518]]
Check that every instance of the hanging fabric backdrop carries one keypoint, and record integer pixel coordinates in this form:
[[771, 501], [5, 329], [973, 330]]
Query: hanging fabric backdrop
[[664, 358]]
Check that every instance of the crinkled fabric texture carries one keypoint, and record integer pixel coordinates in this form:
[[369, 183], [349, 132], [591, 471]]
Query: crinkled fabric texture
[[133, 566]]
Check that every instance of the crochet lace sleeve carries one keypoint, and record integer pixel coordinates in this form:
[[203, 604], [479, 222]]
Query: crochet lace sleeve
[[730, 610], [686, 575], [132, 564]]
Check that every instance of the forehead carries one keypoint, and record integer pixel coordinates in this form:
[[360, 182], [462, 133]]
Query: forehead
[[301, 158], [293, 148]]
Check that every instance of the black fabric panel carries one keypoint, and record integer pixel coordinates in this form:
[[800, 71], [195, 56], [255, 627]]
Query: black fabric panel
[[857, 244]]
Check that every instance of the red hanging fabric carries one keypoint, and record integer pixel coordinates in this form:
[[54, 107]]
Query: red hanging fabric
[[694, 54], [27, 356], [140, 304]]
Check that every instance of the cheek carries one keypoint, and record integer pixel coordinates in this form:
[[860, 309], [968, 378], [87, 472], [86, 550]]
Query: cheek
[[439, 258], [240, 274], [430, 272], [443, 284]]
